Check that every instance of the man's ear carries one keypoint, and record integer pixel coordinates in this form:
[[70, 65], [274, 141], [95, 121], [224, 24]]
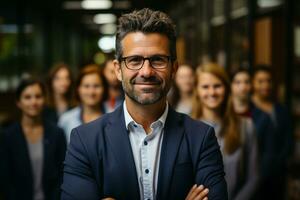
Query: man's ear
[[174, 68], [118, 70]]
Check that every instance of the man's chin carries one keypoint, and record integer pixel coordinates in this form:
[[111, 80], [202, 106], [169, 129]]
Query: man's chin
[[147, 99]]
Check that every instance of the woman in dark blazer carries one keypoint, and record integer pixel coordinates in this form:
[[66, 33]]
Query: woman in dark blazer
[[33, 149]]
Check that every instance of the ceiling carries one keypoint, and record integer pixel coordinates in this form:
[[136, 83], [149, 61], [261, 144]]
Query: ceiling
[[12, 11]]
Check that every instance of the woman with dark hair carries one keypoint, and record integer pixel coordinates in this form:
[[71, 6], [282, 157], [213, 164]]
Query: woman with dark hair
[[241, 89], [91, 92], [236, 136], [33, 149], [60, 95], [182, 92]]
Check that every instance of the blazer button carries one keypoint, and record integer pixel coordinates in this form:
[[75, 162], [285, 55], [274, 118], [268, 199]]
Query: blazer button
[[147, 171]]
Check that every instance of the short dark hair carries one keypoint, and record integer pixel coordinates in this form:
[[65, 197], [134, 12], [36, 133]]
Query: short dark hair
[[146, 21], [26, 82], [240, 70], [262, 68]]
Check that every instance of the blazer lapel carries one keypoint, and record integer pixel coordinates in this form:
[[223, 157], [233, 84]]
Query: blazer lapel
[[173, 133], [23, 153], [119, 141], [46, 149]]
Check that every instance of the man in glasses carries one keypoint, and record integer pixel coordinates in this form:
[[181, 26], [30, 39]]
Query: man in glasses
[[144, 149]]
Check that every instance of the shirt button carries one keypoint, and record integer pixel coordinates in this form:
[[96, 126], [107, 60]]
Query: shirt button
[[147, 171], [145, 143]]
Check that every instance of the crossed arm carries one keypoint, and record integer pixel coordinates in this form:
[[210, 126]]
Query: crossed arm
[[196, 193], [78, 170]]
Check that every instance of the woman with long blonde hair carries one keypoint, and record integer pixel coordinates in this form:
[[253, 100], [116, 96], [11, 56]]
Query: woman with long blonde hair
[[212, 104]]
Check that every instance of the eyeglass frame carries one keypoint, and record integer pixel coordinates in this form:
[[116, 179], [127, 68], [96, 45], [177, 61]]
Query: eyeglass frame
[[170, 58]]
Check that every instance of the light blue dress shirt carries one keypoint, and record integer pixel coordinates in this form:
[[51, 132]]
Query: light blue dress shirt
[[146, 150], [69, 120]]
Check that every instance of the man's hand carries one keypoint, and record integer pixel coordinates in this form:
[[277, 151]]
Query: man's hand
[[197, 193]]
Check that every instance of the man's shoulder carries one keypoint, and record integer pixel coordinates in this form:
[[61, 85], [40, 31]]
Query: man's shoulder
[[96, 125], [193, 127], [96, 128]]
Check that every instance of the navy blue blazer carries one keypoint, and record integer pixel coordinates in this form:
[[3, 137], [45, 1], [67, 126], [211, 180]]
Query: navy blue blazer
[[275, 141], [17, 178], [99, 161]]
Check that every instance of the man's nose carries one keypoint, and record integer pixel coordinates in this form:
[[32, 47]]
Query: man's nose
[[146, 70]]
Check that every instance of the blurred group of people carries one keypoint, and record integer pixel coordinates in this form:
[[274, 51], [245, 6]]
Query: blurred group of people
[[33, 148], [253, 131]]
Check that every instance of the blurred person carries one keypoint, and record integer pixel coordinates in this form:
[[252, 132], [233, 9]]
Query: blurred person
[[115, 92], [182, 92], [91, 88], [240, 89], [212, 104], [241, 86], [144, 149], [32, 149], [281, 144], [60, 95]]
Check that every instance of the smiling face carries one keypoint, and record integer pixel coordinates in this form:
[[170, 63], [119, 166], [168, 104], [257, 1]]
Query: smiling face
[[91, 90], [31, 101], [262, 84], [211, 91], [146, 85]]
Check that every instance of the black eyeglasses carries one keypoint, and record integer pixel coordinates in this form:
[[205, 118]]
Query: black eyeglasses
[[137, 62]]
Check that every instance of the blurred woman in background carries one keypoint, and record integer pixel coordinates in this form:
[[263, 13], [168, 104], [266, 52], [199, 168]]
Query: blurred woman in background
[[182, 92], [213, 105], [33, 149], [60, 95], [91, 89], [241, 89]]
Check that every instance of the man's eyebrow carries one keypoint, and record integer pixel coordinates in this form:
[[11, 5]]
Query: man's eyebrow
[[157, 54]]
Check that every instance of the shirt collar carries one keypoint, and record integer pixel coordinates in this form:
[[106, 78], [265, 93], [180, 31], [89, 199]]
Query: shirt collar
[[129, 119]]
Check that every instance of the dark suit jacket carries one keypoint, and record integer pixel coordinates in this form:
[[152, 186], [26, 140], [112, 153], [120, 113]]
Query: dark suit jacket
[[17, 171], [275, 140], [99, 161]]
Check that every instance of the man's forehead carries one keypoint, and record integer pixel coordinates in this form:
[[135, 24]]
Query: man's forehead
[[138, 41], [137, 36]]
